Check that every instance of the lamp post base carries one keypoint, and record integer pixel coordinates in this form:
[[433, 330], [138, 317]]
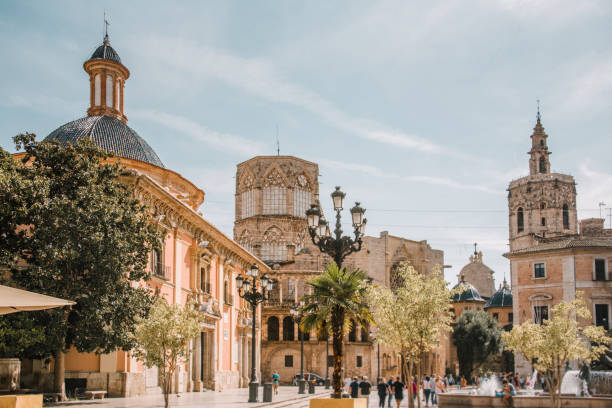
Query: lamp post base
[[327, 383], [301, 386], [253, 390]]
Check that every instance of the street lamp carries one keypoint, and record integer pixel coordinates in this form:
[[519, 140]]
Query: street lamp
[[248, 290], [296, 313], [327, 382], [338, 247]]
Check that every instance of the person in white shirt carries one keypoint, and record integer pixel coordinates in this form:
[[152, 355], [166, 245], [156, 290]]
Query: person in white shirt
[[426, 389]]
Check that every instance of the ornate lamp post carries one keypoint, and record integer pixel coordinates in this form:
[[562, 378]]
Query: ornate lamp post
[[248, 290], [327, 382], [297, 316], [338, 247]]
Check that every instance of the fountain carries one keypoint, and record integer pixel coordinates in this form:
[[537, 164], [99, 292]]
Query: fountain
[[488, 387], [531, 382], [572, 384]]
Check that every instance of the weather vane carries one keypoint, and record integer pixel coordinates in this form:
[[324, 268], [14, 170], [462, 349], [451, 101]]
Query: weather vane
[[106, 24]]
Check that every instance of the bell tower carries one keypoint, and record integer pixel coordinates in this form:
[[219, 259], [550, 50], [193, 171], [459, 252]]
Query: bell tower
[[107, 76], [542, 204]]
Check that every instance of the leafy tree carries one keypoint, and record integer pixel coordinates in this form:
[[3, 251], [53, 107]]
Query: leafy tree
[[412, 317], [551, 345], [338, 297], [477, 336], [72, 230], [163, 338]]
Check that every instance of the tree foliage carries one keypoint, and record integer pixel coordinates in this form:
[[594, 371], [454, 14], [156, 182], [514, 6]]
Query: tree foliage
[[477, 336], [413, 316], [71, 229], [551, 345], [163, 338], [339, 296]]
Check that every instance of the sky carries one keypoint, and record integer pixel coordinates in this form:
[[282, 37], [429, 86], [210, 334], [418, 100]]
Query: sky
[[420, 110]]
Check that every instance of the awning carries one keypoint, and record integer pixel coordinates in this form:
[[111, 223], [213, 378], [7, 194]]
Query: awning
[[16, 300]]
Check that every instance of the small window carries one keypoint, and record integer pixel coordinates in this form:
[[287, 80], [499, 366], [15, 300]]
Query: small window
[[542, 206], [543, 221], [330, 361], [539, 270], [542, 142], [602, 317], [600, 270], [359, 361], [510, 317], [353, 333], [519, 220], [496, 316], [565, 216], [542, 165], [540, 313], [288, 361]]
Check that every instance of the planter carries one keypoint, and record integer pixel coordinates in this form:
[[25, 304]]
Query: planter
[[21, 401], [10, 372], [338, 403]]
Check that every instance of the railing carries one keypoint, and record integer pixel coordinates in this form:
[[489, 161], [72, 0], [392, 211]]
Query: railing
[[162, 271]]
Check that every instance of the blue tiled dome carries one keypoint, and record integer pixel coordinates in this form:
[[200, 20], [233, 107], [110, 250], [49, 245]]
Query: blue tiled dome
[[105, 51], [109, 134], [469, 293], [501, 298]]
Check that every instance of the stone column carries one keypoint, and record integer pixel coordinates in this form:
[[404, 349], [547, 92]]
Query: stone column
[[197, 364]]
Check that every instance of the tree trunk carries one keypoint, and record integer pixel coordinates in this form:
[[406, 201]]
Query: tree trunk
[[337, 338], [59, 374], [409, 381], [418, 381]]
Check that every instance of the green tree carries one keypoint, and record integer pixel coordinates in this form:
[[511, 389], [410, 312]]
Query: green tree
[[76, 232], [412, 317], [477, 336], [557, 341], [338, 297], [163, 338]]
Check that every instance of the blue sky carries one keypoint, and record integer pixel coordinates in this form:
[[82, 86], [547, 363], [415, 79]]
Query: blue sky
[[420, 110]]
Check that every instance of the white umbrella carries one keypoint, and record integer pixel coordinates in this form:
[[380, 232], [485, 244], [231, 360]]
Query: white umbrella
[[16, 300]]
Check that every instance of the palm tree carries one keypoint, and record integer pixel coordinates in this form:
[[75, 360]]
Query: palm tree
[[338, 297]]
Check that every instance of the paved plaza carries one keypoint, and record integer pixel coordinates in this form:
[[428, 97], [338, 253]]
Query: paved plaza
[[233, 398]]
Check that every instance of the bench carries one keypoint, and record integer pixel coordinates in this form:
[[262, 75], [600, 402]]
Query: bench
[[95, 394]]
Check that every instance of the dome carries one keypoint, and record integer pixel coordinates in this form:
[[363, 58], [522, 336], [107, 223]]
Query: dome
[[469, 294], [109, 134], [501, 298], [105, 51]]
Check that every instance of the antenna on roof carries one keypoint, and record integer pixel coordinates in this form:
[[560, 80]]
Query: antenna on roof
[[277, 142], [106, 24]]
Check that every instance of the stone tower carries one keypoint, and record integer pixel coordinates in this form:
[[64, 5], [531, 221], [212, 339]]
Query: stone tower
[[542, 204], [272, 196]]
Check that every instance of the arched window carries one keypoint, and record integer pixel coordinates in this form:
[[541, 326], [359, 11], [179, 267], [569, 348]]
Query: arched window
[[305, 334], [273, 248], [566, 222], [97, 90], [394, 278], [520, 223], [353, 332], [273, 328], [245, 241], [156, 263], [117, 93], [364, 334], [542, 165], [288, 329], [542, 142], [109, 91], [274, 195], [301, 196]]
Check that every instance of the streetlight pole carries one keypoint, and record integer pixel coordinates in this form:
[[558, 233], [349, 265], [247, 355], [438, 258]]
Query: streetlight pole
[[247, 289], [326, 361], [297, 317]]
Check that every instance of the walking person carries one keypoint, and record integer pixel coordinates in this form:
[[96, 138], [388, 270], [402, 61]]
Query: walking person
[[383, 390], [426, 390], [275, 380], [432, 387], [390, 390], [365, 387], [355, 388], [398, 390]]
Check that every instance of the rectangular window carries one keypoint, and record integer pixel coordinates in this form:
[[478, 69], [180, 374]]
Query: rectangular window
[[600, 270], [235, 352], [301, 202], [288, 361], [274, 200], [510, 317], [540, 313], [273, 251], [496, 316], [539, 270], [248, 203], [602, 317], [109, 91], [330, 361], [359, 361]]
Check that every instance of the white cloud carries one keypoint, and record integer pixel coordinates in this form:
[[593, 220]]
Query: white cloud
[[591, 90], [260, 77], [550, 10], [221, 141], [595, 187]]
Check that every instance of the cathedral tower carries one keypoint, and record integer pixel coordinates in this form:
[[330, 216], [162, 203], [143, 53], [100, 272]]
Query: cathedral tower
[[542, 204]]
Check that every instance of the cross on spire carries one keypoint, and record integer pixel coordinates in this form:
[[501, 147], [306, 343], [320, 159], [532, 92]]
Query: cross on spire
[[475, 250], [538, 115], [106, 24]]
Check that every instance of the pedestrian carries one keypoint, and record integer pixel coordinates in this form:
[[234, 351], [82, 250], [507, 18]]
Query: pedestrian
[[398, 389], [347, 384], [463, 382], [365, 387], [355, 388], [390, 390], [432, 387], [426, 389], [383, 389], [275, 380], [505, 394], [522, 382], [440, 387]]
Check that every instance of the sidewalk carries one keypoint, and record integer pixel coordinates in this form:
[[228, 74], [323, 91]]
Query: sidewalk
[[287, 395]]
